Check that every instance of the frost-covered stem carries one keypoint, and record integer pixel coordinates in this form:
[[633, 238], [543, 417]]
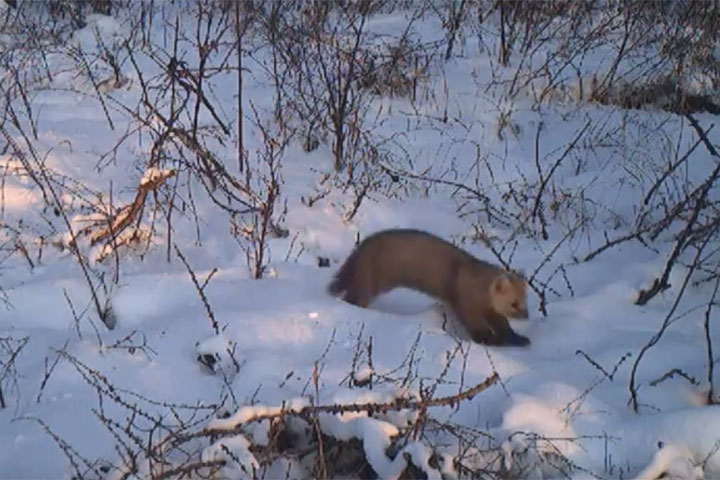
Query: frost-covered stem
[[341, 102], [628, 25], [264, 207], [10, 363], [321, 463], [455, 16], [265, 217], [274, 24], [504, 50], [239, 39], [708, 343], [154, 159], [69, 451], [371, 367], [259, 268], [203, 52], [359, 197], [309, 411], [492, 213], [88, 70], [51, 368], [666, 322], [670, 170], [684, 238], [544, 179], [611, 243], [200, 288], [24, 95], [103, 313], [185, 471]]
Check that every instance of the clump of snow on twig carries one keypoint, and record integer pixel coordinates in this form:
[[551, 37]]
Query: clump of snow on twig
[[376, 434], [155, 175], [541, 421], [216, 353], [235, 451], [248, 413]]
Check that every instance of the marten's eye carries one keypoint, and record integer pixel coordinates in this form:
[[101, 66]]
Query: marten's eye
[[515, 305]]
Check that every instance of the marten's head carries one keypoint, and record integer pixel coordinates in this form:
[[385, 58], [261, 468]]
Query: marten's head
[[508, 295]]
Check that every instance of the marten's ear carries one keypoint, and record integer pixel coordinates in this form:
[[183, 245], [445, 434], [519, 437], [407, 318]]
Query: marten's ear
[[501, 282]]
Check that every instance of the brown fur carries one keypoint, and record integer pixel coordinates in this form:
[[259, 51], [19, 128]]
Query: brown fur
[[481, 294]]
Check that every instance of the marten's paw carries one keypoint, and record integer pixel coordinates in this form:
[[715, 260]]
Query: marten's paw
[[507, 339], [516, 340]]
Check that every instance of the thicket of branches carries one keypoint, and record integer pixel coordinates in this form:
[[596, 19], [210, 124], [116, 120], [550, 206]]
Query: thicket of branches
[[327, 66]]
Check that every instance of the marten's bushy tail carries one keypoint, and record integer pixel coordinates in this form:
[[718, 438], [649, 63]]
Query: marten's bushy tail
[[343, 278]]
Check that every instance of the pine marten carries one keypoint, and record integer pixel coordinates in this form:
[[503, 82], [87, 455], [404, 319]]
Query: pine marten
[[481, 294]]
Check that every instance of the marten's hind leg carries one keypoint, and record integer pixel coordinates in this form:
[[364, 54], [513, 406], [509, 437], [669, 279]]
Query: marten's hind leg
[[360, 292], [358, 297]]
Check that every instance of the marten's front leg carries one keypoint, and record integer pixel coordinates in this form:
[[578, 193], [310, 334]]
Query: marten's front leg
[[486, 326], [496, 330], [504, 332]]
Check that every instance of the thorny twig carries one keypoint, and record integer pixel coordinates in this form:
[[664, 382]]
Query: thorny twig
[[666, 322], [9, 365], [683, 239], [371, 408], [200, 288], [709, 344]]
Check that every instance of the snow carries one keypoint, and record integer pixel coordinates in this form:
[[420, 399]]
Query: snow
[[275, 332], [672, 462], [530, 415]]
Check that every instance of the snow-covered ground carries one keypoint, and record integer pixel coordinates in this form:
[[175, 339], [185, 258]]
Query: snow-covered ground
[[281, 326]]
